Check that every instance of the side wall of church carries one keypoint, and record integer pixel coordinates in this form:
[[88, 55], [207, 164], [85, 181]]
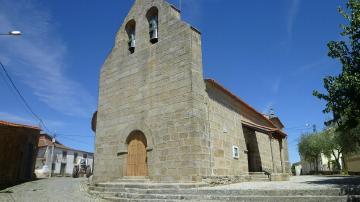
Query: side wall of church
[[226, 131], [158, 90]]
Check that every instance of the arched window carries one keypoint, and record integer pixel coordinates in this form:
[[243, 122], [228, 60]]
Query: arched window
[[130, 30], [152, 16]]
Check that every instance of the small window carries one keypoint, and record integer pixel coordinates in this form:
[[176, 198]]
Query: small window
[[130, 30], [64, 154], [152, 16], [235, 151], [84, 156]]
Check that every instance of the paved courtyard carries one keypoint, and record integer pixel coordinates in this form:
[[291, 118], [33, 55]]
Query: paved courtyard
[[54, 189], [299, 182], [70, 189]]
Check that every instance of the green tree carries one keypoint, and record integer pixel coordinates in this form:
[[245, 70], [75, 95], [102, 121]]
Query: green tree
[[310, 148], [330, 145], [343, 90]]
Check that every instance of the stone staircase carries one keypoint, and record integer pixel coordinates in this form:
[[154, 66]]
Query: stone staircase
[[258, 177], [135, 191], [133, 180]]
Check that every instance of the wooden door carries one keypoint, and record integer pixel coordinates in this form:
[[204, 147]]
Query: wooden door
[[137, 160]]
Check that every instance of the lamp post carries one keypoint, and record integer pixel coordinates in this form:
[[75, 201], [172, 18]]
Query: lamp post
[[12, 33]]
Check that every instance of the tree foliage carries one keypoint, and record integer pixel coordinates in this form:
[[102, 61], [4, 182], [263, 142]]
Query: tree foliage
[[310, 147], [331, 145], [343, 90], [326, 142]]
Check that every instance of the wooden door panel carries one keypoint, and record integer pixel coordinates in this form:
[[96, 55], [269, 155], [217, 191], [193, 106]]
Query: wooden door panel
[[137, 165]]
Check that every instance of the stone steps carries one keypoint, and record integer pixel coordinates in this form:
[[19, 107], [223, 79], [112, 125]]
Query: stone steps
[[134, 179], [315, 192], [148, 185], [335, 194], [252, 198], [199, 192], [258, 177]]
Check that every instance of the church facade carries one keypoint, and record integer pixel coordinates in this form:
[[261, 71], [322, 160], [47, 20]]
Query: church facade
[[158, 118]]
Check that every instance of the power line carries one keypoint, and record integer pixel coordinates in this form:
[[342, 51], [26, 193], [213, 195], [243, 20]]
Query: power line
[[10, 88], [77, 141], [22, 98], [74, 135]]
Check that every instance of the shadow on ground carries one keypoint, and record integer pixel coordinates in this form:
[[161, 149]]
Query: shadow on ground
[[4, 186], [349, 185], [339, 181]]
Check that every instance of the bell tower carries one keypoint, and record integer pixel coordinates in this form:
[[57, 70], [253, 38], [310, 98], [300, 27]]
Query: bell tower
[[152, 84]]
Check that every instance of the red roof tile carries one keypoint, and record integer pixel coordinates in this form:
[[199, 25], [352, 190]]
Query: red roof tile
[[5, 123]]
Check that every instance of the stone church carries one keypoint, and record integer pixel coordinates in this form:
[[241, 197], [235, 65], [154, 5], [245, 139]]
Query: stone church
[[158, 118]]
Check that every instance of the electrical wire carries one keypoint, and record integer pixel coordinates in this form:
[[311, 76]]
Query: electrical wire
[[23, 99], [77, 141], [74, 135]]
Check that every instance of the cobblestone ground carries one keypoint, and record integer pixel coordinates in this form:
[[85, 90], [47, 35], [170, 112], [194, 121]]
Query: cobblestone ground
[[54, 189], [299, 182]]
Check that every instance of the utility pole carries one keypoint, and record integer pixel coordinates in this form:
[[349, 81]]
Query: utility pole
[[52, 156]]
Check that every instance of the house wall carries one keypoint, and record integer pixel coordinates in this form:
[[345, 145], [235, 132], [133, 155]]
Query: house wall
[[69, 160], [353, 163], [44, 158], [18, 147], [226, 130], [158, 90], [324, 164]]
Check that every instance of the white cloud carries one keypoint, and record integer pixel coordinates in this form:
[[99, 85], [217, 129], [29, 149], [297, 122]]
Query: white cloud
[[38, 58], [293, 11], [310, 66], [276, 85]]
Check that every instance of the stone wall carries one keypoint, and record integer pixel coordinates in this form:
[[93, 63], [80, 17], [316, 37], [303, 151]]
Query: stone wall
[[285, 154], [18, 148], [226, 130], [158, 90]]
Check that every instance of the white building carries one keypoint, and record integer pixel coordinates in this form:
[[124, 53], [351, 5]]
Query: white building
[[324, 164], [64, 158]]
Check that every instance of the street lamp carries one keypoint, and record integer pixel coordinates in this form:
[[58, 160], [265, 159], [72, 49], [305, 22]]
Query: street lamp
[[13, 33]]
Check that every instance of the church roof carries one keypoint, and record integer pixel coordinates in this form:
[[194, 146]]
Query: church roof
[[272, 128]]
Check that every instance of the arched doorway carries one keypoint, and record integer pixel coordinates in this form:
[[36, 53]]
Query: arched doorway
[[137, 155]]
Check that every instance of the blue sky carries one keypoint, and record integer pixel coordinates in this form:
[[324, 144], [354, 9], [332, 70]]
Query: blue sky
[[269, 53]]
